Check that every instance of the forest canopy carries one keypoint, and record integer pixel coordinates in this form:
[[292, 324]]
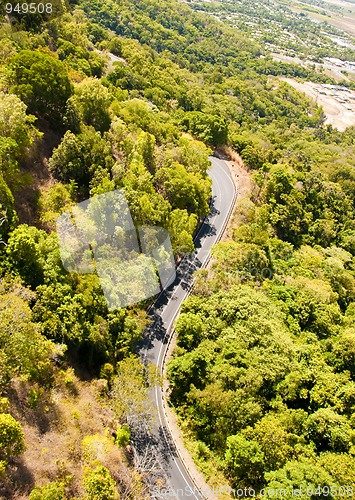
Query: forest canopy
[[136, 96]]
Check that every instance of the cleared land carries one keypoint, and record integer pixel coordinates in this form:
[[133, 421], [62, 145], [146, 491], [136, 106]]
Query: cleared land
[[338, 114], [343, 20]]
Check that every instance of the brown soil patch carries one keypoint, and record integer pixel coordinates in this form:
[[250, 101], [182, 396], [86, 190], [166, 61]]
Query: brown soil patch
[[344, 24], [242, 178], [36, 164], [54, 431], [337, 114]]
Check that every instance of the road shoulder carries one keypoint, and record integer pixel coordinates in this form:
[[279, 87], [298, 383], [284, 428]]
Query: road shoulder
[[241, 178]]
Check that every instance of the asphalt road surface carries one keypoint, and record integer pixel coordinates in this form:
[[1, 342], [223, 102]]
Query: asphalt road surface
[[172, 478]]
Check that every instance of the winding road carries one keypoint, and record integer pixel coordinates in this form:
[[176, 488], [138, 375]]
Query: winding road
[[177, 482]]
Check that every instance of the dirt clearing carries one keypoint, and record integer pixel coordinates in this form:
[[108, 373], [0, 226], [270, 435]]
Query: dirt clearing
[[339, 107]]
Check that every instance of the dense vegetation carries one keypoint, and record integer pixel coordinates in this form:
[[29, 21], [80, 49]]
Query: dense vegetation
[[265, 347], [198, 41], [104, 138], [281, 29]]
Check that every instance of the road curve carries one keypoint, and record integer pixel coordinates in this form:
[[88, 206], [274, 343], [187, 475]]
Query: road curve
[[177, 482]]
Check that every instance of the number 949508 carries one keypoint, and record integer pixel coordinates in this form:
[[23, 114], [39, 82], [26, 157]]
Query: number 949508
[[331, 491], [29, 8]]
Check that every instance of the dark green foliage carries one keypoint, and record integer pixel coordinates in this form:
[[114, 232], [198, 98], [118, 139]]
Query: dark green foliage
[[208, 128], [41, 82], [99, 484], [80, 157], [8, 216]]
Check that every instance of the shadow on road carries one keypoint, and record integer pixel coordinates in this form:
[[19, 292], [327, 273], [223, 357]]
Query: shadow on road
[[157, 442], [184, 272]]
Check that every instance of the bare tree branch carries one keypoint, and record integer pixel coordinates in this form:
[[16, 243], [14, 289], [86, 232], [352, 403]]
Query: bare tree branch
[[147, 473]]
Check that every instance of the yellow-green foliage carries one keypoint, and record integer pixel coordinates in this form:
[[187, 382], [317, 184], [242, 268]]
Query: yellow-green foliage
[[95, 448], [99, 484], [51, 491], [4, 405], [11, 436], [122, 435]]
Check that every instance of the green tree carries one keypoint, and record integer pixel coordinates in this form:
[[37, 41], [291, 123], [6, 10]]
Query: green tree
[[131, 388], [181, 227], [299, 475], [340, 466], [107, 372], [8, 162], [24, 253], [92, 100], [343, 355], [122, 435], [329, 430], [23, 349], [252, 156], [14, 122], [66, 162], [99, 484], [42, 82], [208, 128], [244, 460], [184, 190], [12, 437], [54, 200], [189, 328], [51, 491], [82, 158], [115, 46], [8, 217], [276, 444], [145, 147], [194, 155]]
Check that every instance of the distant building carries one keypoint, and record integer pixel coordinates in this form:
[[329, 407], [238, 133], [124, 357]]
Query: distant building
[[335, 87]]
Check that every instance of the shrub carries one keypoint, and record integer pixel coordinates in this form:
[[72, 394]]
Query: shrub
[[107, 372], [99, 485], [95, 447], [11, 436], [51, 491], [122, 435]]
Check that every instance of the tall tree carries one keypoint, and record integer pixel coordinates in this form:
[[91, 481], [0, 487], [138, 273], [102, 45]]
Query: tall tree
[[42, 82]]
